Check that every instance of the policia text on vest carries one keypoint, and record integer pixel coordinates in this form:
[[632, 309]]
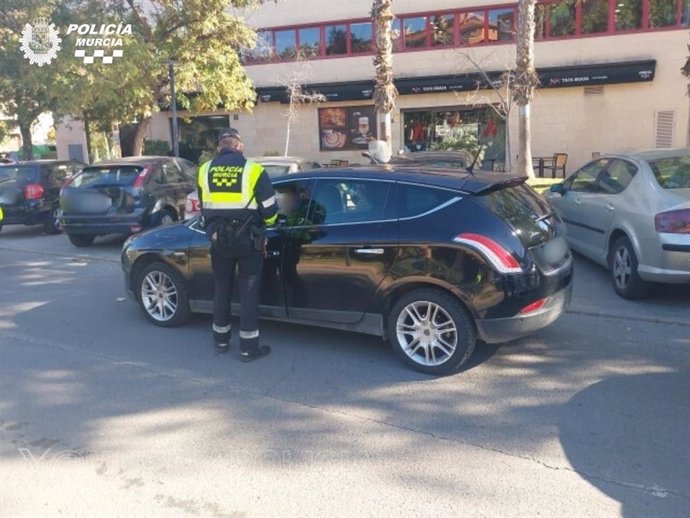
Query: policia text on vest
[[237, 201]]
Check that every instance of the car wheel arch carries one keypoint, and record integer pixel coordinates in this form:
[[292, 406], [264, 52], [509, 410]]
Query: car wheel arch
[[616, 234], [396, 291], [140, 265]]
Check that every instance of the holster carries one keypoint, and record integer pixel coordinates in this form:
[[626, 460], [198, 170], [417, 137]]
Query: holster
[[257, 235]]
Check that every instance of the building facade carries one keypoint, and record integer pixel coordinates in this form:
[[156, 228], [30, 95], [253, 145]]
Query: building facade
[[609, 71]]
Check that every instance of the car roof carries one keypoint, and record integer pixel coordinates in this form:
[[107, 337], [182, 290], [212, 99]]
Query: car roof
[[43, 161], [287, 160], [655, 154], [457, 179], [132, 160]]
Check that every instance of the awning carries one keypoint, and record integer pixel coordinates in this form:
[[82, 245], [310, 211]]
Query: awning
[[552, 77]]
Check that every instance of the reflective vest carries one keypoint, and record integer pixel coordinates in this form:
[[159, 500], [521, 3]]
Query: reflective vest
[[225, 187]]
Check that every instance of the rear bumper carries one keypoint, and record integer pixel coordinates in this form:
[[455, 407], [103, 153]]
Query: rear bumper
[[30, 213], [671, 263], [498, 330], [102, 225]]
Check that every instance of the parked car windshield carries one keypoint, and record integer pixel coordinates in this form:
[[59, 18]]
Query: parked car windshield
[[115, 175], [274, 171], [22, 173], [672, 172]]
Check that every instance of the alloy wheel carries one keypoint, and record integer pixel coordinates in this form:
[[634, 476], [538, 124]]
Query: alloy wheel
[[167, 219], [56, 219], [426, 333], [159, 296], [622, 267]]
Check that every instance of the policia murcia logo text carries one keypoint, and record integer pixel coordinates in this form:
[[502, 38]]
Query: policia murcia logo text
[[225, 178]]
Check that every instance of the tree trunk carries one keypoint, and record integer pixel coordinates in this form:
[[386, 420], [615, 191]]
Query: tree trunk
[[526, 81], [508, 164], [89, 145], [27, 143], [287, 130], [142, 128], [384, 91], [524, 163]]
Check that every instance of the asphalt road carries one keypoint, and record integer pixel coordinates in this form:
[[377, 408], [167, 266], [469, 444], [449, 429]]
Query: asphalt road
[[103, 414]]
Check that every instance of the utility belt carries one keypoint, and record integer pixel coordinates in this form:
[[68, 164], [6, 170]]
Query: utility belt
[[239, 236]]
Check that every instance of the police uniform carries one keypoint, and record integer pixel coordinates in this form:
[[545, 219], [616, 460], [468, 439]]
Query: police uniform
[[237, 201]]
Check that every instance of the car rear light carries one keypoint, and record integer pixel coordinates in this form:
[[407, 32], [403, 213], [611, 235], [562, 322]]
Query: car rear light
[[673, 222], [498, 256], [139, 182], [196, 207], [135, 228], [33, 191], [534, 306]]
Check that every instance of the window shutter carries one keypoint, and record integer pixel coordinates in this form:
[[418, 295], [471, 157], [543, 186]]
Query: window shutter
[[664, 129]]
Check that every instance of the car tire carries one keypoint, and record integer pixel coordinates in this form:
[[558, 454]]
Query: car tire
[[51, 225], [624, 275], [157, 284], [432, 322], [163, 217], [81, 241]]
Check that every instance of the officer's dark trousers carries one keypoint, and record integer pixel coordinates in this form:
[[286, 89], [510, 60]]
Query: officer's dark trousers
[[246, 269]]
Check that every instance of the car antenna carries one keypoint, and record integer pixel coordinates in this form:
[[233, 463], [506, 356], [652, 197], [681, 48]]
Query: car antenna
[[470, 169]]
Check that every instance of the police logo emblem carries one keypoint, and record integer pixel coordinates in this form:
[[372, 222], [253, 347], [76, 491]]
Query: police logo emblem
[[40, 42]]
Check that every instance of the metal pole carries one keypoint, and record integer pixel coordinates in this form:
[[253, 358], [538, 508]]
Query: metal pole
[[175, 142]]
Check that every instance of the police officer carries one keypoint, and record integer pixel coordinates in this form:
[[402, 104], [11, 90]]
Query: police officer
[[237, 201]]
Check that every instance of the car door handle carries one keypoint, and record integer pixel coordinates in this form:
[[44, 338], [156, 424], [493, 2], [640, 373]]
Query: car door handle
[[369, 251], [610, 207], [577, 201]]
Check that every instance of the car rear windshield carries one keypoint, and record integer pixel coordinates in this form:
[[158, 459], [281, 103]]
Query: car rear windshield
[[672, 172], [114, 175], [21, 173], [275, 171], [523, 209]]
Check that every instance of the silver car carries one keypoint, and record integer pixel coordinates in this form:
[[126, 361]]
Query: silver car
[[631, 213]]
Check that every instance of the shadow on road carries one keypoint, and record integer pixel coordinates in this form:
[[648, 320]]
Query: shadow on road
[[629, 436]]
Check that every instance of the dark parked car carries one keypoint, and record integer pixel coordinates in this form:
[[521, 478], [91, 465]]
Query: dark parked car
[[124, 196], [431, 260], [30, 191]]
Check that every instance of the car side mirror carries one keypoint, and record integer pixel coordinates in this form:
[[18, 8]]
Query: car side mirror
[[558, 188]]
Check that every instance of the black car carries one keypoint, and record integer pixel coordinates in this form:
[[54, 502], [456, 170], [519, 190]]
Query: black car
[[30, 192], [124, 196], [431, 260]]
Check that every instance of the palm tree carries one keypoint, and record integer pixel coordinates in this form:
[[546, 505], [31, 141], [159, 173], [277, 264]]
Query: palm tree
[[525, 83], [384, 91]]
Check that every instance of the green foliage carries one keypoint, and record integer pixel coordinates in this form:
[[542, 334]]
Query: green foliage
[[458, 141]]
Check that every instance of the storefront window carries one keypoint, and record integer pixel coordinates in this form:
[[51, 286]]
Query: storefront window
[[595, 16], [662, 13], [628, 14], [471, 28], [286, 45], [361, 37], [415, 32], [457, 130], [562, 18], [336, 40], [397, 35], [443, 30], [685, 14], [501, 25], [310, 42]]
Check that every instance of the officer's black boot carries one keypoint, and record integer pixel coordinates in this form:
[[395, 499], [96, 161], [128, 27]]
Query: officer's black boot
[[221, 339]]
